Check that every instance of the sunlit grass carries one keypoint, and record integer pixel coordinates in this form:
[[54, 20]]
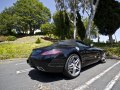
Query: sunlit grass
[[10, 50], [22, 47]]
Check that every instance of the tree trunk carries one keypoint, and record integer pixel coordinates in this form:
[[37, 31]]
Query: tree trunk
[[31, 31], [93, 11], [115, 38], [75, 28], [89, 27], [110, 38], [98, 38], [9, 32]]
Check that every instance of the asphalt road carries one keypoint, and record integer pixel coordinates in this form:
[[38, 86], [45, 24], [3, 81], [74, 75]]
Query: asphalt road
[[17, 75]]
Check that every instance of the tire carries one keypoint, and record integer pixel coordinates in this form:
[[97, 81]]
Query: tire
[[73, 66], [103, 58]]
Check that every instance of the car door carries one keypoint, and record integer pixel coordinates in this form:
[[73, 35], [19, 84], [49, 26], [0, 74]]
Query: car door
[[93, 55], [86, 53], [87, 56]]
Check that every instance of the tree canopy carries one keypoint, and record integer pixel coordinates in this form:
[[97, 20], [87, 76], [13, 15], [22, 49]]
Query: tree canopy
[[6, 21], [28, 15], [107, 17], [62, 24], [48, 28], [25, 15]]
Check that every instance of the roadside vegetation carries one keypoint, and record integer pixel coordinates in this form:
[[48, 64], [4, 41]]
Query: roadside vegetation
[[21, 47], [112, 50], [20, 22]]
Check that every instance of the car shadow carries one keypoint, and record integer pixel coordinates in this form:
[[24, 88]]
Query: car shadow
[[51, 77], [44, 76], [90, 66]]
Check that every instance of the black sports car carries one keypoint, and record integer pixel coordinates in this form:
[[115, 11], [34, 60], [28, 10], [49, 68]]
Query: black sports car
[[66, 56]]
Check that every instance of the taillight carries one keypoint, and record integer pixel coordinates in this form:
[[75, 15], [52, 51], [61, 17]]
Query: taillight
[[51, 52]]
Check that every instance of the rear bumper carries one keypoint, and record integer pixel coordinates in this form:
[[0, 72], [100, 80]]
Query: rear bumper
[[47, 65]]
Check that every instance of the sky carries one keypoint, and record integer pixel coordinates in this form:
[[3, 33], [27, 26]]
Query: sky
[[51, 5]]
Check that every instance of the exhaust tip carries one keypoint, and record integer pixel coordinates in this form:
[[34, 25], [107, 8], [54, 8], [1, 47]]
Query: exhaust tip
[[40, 68]]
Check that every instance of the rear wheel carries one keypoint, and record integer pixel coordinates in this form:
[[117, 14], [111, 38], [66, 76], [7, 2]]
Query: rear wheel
[[73, 66]]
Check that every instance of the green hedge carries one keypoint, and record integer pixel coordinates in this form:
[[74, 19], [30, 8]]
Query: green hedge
[[11, 38], [111, 49]]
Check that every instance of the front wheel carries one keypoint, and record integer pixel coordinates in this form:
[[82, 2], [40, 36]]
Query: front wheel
[[103, 58], [73, 66]]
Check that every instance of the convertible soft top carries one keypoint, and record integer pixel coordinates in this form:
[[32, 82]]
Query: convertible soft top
[[71, 42]]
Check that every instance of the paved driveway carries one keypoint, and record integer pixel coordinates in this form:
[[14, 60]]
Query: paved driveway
[[17, 75]]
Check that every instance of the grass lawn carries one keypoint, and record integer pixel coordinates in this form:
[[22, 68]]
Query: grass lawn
[[20, 48]]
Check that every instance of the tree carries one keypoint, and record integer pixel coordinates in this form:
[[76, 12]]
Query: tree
[[63, 5], [94, 29], [60, 19], [90, 6], [62, 24], [6, 21], [32, 13], [74, 6], [108, 19], [48, 28], [24, 15], [80, 27]]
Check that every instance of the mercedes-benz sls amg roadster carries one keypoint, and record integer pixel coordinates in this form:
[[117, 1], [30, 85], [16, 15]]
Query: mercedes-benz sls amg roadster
[[67, 57]]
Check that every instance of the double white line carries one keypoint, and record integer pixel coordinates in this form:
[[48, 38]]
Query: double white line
[[112, 82], [109, 86]]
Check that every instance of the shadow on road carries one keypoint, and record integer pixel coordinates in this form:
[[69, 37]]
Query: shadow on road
[[90, 66], [51, 77], [45, 77]]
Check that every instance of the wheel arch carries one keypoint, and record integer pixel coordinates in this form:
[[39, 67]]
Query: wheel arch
[[75, 52]]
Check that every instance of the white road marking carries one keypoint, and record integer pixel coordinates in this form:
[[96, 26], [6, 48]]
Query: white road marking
[[22, 71], [112, 82], [86, 85], [20, 63]]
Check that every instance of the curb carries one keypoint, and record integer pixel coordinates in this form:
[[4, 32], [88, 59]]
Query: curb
[[114, 57], [14, 59]]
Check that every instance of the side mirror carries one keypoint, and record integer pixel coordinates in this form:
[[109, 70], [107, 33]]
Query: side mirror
[[91, 45]]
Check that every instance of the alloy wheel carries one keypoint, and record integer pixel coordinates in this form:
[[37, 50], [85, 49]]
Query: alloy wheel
[[73, 65]]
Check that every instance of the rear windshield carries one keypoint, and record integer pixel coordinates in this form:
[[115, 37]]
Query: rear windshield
[[69, 42]]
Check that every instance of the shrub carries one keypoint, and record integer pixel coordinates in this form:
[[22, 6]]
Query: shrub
[[88, 41], [111, 49], [11, 38], [38, 41], [2, 38], [11, 50]]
